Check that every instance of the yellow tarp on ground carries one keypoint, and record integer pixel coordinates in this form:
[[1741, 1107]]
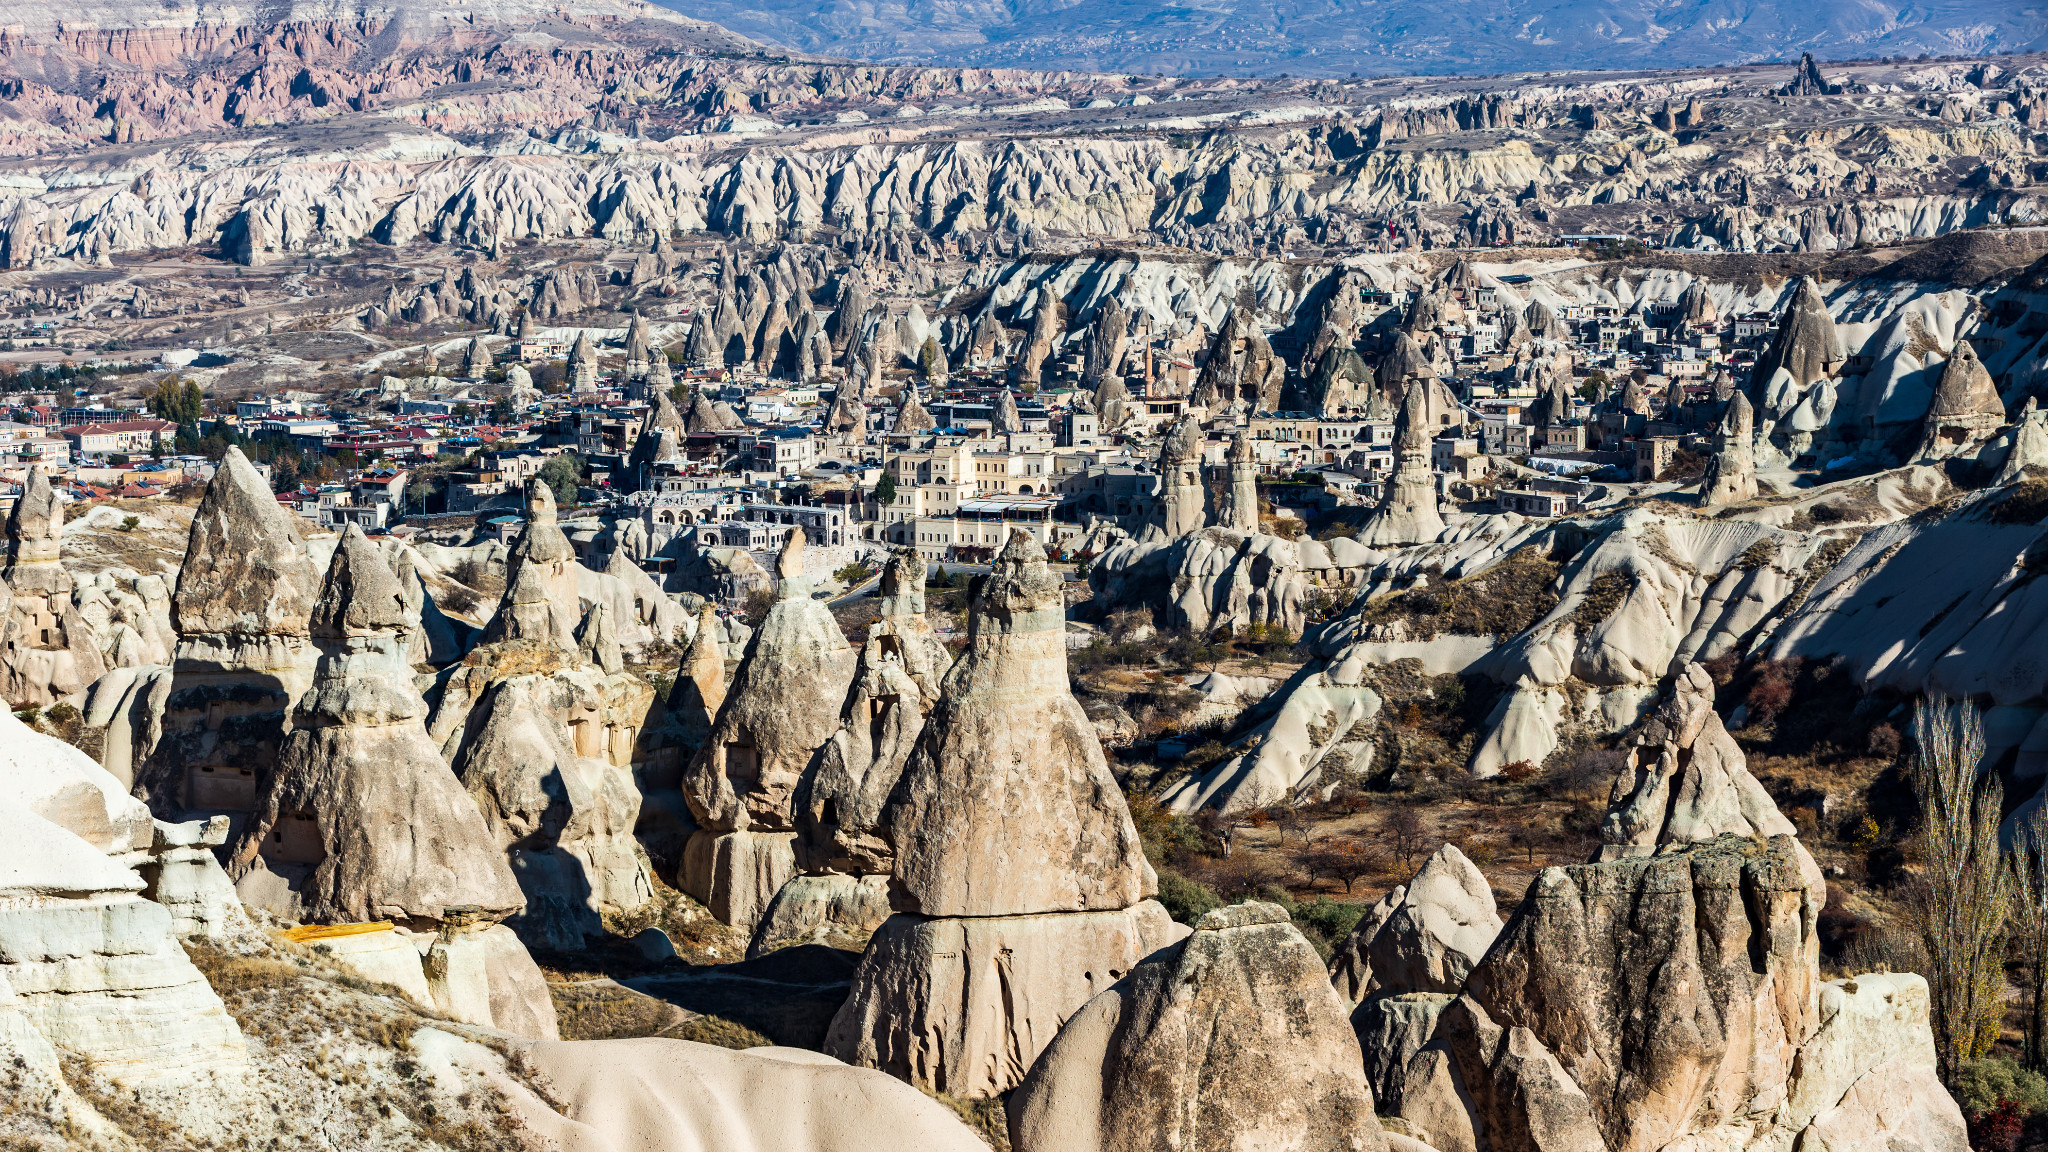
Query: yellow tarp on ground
[[307, 932]]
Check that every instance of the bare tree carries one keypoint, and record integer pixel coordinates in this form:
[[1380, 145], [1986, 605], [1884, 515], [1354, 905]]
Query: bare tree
[[1344, 859], [2030, 926], [1404, 828], [1965, 892]]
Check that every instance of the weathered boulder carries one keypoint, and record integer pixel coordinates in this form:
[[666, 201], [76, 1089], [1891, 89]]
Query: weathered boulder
[[1424, 936], [1630, 1004], [1230, 1039], [1686, 780]]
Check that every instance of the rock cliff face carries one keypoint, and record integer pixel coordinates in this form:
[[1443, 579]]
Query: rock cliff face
[[1229, 1039], [1011, 841]]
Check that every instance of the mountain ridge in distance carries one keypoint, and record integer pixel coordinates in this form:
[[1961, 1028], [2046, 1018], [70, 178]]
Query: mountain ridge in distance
[[1334, 38]]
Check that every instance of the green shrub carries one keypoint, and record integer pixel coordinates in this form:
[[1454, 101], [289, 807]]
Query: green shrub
[[1982, 1083], [1326, 922], [1185, 900]]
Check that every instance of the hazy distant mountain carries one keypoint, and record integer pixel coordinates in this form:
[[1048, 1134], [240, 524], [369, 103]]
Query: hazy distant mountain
[[1334, 37]]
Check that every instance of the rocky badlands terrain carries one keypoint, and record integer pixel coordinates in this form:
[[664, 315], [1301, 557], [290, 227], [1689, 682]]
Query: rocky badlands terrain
[[321, 838]]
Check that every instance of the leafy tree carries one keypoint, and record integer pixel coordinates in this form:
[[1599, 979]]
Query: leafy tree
[[885, 490], [928, 358], [562, 473], [501, 411], [1965, 891], [177, 401]]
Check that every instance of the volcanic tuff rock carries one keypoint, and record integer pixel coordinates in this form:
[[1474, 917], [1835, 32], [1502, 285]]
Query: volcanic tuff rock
[[1007, 806], [1011, 841], [839, 801], [1182, 495], [1686, 780], [91, 966], [1731, 473], [783, 703], [963, 1005], [1407, 513], [361, 819], [35, 535], [1231, 1038], [1424, 936], [1630, 1004], [242, 607], [1966, 408]]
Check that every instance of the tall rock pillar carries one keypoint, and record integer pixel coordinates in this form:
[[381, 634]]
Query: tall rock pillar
[[1242, 513], [1020, 885]]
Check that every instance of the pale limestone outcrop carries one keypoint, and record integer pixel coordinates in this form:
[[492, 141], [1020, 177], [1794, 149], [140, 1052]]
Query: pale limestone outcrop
[[964, 1005], [1241, 368], [1424, 936], [1230, 1039], [242, 608], [1686, 780], [361, 819], [828, 908], [545, 742], [470, 970], [691, 708], [2029, 446], [532, 753]]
